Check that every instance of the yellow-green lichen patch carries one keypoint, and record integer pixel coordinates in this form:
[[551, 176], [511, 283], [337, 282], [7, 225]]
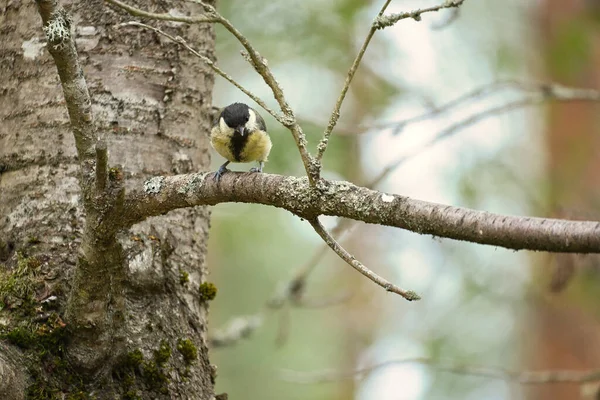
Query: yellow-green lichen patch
[[207, 291]]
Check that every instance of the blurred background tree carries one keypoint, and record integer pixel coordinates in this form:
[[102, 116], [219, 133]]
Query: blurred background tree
[[481, 306]]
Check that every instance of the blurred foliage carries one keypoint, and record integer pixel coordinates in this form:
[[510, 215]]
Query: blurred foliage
[[570, 52]]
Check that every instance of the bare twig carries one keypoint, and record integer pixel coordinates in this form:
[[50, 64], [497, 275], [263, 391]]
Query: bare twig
[[357, 265], [212, 65], [380, 22], [261, 66], [472, 95], [101, 165], [546, 92], [540, 92], [161, 17], [335, 114], [523, 377], [385, 21]]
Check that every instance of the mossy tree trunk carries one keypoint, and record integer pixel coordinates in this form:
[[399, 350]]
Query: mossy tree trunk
[[151, 103]]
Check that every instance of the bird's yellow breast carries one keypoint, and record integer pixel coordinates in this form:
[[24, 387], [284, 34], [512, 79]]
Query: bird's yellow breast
[[256, 146], [221, 143]]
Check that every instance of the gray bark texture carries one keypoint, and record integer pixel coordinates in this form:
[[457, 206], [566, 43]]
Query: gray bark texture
[[87, 309]]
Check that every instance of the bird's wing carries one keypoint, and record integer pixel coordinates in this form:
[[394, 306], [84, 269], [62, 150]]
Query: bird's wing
[[260, 121]]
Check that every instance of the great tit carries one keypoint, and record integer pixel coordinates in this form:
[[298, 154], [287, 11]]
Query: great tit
[[240, 135]]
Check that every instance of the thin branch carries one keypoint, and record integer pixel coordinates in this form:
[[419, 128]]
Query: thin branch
[[61, 45], [523, 377], [548, 92], [212, 65], [357, 265], [385, 21], [335, 114], [161, 17], [101, 166], [484, 90], [261, 66], [162, 194], [541, 92], [380, 22]]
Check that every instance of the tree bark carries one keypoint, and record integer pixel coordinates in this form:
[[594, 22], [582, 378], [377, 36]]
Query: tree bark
[[151, 104]]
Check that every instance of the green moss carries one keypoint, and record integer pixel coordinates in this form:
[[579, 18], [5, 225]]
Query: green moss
[[115, 174], [134, 359], [129, 390], [131, 395], [33, 240], [162, 355], [21, 337], [154, 377], [152, 372], [51, 374], [208, 291], [17, 286], [78, 396], [188, 350], [184, 277]]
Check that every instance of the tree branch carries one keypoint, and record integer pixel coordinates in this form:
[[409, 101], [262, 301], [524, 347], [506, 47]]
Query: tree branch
[[161, 17], [335, 114], [212, 65], [385, 21], [95, 305], [260, 64], [58, 30], [338, 198], [523, 377], [540, 93], [357, 265]]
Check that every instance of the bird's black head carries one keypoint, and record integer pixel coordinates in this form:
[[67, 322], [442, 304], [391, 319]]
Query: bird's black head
[[236, 115]]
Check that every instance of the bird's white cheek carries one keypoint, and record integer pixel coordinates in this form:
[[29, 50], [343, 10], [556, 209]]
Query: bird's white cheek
[[251, 125], [226, 130]]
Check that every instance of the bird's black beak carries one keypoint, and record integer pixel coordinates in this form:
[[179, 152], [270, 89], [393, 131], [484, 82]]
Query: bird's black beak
[[241, 130]]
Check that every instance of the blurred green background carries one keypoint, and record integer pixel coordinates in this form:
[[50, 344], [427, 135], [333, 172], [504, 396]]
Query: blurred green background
[[481, 305]]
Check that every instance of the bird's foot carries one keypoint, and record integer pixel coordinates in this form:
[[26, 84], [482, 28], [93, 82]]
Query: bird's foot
[[258, 169], [219, 173]]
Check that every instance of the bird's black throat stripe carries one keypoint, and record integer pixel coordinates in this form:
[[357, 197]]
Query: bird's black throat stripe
[[237, 143]]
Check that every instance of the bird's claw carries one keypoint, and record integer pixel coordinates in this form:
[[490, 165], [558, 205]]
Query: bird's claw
[[261, 164], [219, 174]]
